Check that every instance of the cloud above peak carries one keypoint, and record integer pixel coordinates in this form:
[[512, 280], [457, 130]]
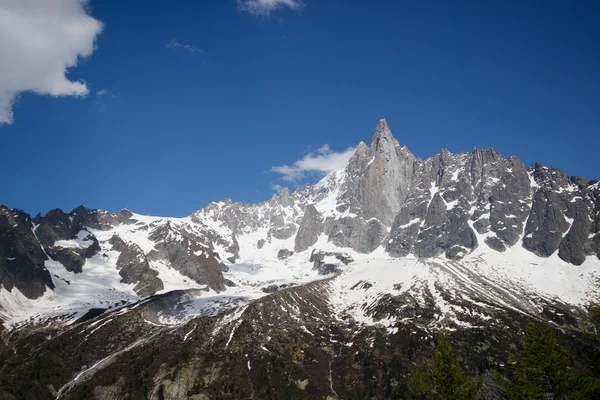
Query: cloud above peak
[[322, 161], [39, 41], [264, 8]]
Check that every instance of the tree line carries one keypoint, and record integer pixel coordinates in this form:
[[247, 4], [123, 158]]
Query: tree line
[[543, 369]]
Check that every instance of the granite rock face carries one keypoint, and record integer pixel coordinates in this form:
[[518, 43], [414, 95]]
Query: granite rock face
[[458, 197], [450, 204], [389, 176], [310, 229], [593, 195], [362, 235], [563, 216]]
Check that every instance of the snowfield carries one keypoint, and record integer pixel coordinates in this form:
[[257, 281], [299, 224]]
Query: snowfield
[[506, 279]]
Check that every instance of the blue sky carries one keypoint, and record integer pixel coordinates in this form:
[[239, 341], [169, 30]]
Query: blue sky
[[193, 101]]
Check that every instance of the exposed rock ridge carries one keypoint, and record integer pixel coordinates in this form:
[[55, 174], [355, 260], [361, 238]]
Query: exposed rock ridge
[[449, 204]]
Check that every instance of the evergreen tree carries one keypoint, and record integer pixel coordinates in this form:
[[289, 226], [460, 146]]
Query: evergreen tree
[[591, 321], [590, 383], [542, 369], [442, 378]]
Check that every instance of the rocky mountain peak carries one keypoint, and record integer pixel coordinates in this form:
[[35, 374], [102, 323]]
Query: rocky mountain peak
[[382, 136], [389, 175]]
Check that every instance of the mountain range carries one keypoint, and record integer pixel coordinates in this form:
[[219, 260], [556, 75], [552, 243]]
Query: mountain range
[[333, 291]]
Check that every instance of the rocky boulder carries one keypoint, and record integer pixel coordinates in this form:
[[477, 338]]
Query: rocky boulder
[[328, 262], [284, 253]]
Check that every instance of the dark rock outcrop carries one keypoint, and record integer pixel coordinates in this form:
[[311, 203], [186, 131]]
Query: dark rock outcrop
[[22, 258], [270, 289], [184, 251], [100, 219], [546, 224], [73, 258], [133, 267]]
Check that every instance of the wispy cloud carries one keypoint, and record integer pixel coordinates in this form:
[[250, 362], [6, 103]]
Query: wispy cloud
[[39, 41], [322, 161], [106, 92], [102, 98], [277, 188], [264, 8], [175, 45]]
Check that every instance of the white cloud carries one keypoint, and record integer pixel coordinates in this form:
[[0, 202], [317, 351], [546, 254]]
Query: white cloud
[[39, 41], [175, 45], [321, 161], [264, 8]]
